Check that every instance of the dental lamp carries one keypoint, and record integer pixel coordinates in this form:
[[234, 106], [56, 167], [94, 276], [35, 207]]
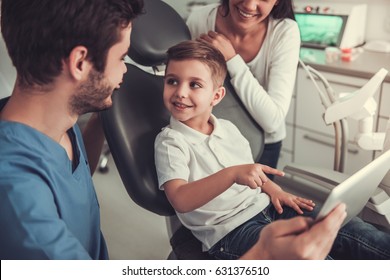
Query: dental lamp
[[361, 106]]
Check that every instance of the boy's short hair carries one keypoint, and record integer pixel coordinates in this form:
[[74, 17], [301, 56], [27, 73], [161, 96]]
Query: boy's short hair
[[40, 34], [203, 52]]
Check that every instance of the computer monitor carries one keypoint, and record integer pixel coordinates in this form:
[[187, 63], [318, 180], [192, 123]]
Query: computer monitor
[[321, 30]]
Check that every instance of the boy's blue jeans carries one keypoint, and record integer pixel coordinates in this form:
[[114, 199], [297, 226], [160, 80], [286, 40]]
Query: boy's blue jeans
[[356, 240]]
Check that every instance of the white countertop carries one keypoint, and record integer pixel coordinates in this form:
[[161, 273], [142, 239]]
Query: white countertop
[[365, 65]]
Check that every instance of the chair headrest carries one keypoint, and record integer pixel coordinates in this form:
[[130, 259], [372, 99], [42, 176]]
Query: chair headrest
[[159, 28]]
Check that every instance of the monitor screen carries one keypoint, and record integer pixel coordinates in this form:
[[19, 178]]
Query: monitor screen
[[321, 30]]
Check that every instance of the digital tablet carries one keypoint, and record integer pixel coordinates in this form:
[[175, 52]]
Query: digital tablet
[[357, 189]]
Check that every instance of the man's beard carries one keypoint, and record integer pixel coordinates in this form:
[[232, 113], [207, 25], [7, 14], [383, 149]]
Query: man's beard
[[91, 96]]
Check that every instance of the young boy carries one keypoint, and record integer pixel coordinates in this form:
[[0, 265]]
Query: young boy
[[206, 168]]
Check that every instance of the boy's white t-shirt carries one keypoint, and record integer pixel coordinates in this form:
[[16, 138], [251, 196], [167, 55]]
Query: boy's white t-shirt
[[265, 84], [184, 153]]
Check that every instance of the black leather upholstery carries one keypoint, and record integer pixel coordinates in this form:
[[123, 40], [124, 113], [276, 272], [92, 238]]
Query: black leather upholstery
[[138, 114], [3, 101], [131, 125], [231, 108], [154, 32]]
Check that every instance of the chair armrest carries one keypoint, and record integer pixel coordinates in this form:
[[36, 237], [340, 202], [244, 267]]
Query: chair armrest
[[311, 182], [324, 177]]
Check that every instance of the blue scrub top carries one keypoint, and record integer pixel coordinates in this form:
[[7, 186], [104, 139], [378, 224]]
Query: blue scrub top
[[48, 208]]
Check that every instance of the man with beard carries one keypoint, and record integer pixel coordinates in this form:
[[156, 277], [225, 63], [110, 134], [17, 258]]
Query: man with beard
[[69, 57]]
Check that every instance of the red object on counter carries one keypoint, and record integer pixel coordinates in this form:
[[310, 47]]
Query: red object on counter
[[346, 54], [308, 9]]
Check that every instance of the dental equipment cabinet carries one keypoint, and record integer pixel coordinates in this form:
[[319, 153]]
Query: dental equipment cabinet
[[310, 142]]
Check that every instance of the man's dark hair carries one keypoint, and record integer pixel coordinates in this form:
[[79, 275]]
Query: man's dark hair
[[40, 34]]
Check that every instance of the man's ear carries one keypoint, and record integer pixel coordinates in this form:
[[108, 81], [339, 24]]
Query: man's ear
[[78, 64], [218, 95]]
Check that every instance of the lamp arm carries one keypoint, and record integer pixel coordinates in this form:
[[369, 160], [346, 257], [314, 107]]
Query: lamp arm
[[326, 101], [352, 103], [386, 144]]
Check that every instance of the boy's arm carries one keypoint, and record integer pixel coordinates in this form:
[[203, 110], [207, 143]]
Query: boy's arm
[[186, 197], [173, 170]]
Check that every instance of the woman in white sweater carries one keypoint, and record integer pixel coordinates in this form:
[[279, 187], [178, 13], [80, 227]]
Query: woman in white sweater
[[260, 42]]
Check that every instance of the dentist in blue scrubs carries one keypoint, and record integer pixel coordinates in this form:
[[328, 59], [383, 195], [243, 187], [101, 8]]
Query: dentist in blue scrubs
[[69, 57]]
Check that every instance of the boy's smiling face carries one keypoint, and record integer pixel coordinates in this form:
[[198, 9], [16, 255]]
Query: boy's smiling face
[[189, 92]]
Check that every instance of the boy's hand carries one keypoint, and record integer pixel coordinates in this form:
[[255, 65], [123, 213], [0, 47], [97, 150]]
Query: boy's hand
[[280, 198], [252, 175]]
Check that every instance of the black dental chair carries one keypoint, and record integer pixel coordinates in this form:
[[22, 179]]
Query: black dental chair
[[138, 114]]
